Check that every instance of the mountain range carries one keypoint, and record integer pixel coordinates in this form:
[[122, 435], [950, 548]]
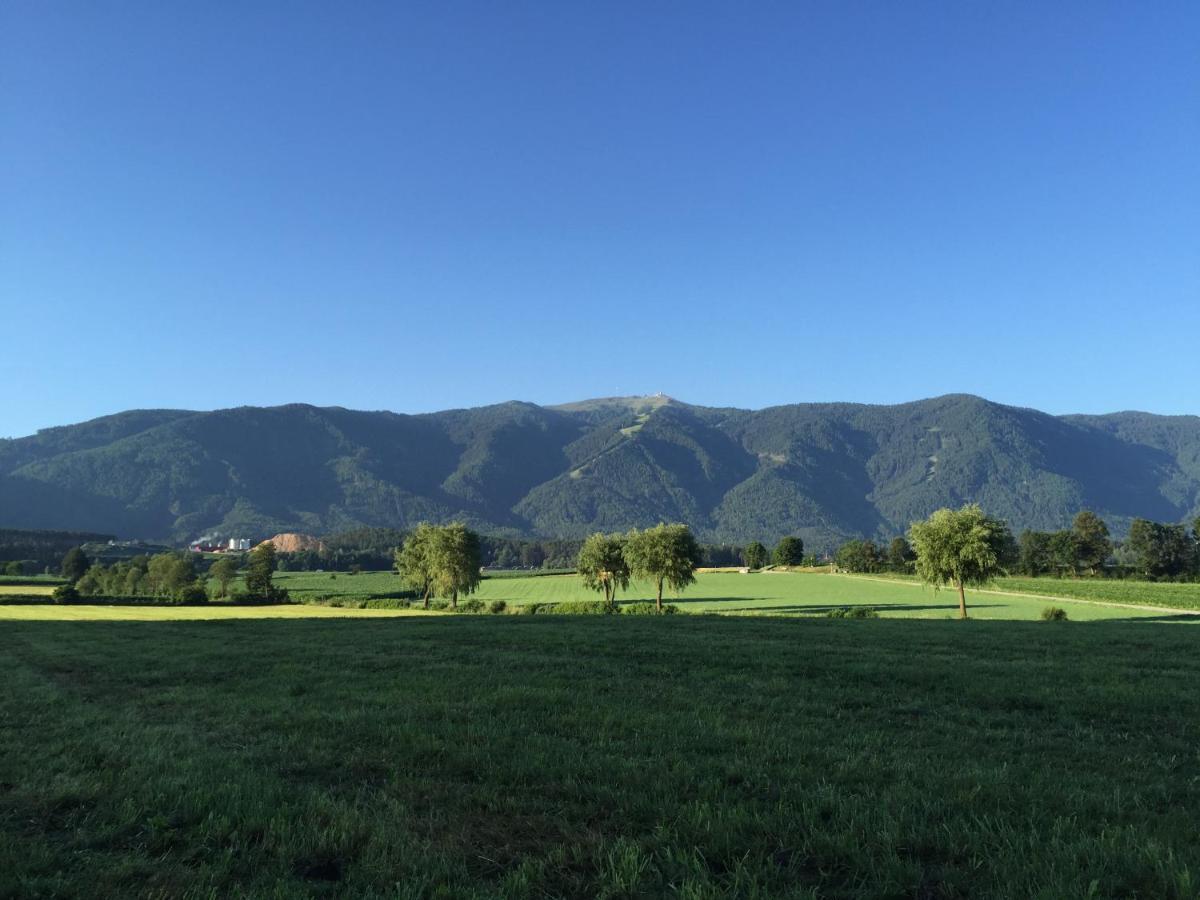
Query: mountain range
[[825, 472]]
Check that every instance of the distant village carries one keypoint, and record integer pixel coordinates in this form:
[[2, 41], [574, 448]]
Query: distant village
[[233, 545]]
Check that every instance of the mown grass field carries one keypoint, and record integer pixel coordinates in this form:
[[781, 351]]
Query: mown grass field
[[767, 593], [531, 756]]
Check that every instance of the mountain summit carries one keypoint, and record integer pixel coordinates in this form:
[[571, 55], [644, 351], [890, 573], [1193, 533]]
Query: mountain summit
[[823, 471]]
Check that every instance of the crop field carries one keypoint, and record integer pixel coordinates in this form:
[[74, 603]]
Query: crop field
[[25, 590], [546, 756], [1181, 596], [768, 593]]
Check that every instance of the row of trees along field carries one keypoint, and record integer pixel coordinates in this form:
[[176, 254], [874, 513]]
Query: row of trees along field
[[1153, 550], [445, 561], [665, 555], [171, 577], [363, 549]]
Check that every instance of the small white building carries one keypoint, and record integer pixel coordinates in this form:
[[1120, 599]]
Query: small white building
[[239, 543]]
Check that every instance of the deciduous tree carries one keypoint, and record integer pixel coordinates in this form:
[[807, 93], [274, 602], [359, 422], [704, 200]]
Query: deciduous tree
[[457, 559], [75, 564], [666, 554], [900, 555], [224, 571], [960, 547], [789, 552], [602, 565], [1092, 546], [260, 569], [415, 560], [755, 555]]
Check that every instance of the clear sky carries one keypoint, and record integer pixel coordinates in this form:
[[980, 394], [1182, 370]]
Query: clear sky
[[413, 206]]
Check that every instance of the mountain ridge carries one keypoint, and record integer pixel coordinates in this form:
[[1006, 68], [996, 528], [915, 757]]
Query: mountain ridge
[[825, 471]]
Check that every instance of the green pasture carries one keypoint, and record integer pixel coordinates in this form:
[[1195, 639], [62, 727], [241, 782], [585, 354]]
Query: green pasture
[[799, 594], [726, 593], [791, 594], [546, 756]]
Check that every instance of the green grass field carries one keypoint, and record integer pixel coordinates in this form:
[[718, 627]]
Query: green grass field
[[726, 593], [1181, 596], [767, 593], [544, 756]]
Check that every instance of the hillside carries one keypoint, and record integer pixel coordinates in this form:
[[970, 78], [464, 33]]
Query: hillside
[[823, 471]]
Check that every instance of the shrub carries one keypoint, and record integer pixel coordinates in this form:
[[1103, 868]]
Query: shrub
[[497, 607], [852, 612], [472, 606], [65, 593], [1054, 614], [583, 608], [387, 603], [192, 593], [647, 608], [439, 604]]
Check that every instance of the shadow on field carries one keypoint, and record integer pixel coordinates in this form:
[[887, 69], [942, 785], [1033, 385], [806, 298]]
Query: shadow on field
[[1186, 618], [818, 608]]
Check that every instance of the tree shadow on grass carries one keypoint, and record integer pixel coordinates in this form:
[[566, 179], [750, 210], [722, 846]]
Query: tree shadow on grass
[[1186, 618], [819, 608]]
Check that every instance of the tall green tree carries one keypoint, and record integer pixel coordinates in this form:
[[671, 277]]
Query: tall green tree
[[415, 560], [1092, 544], [857, 556], [457, 560], [960, 547], [1035, 557], [789, 552], [602, 565], [224, 571], [260, 571], [900, 555], [755, 555], [75, 564], [168, 573], [1161, 550], [666, 554]]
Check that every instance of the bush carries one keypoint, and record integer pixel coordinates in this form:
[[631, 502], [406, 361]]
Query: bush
[[65, 593], [472, 606], [583, 608], [853, 612], [497, 607], [439, 604], [1054, 614], [387, 603], [192, 593], [647, 608]]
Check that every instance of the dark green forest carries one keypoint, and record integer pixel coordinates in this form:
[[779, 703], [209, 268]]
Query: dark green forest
[[825, 472]]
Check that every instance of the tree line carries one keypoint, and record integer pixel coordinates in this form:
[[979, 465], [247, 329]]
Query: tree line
[[1152, 550], [446, 561], [172, 577]]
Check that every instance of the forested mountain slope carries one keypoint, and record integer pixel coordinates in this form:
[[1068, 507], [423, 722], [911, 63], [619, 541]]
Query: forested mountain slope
[[823, 471]]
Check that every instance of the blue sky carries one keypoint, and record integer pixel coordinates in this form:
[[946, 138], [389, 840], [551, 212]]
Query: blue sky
[[422, 205]]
